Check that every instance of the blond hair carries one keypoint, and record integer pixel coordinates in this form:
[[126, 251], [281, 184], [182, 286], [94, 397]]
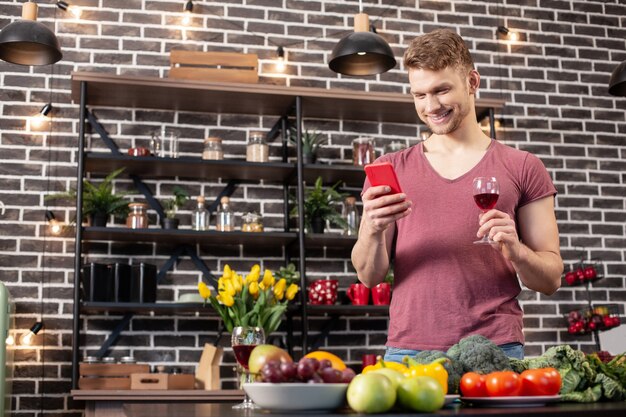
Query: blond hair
[[438, 50]]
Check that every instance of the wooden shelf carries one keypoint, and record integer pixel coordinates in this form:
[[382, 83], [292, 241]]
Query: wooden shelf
[[184, 236], [91, 307], [346, 310], [233, 169], [329, 240], [112, 90], [150, 166], [352, 176]]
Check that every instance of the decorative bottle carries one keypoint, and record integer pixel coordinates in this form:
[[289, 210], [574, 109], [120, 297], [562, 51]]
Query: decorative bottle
[[225, 221], [200, 216], [351, 216]]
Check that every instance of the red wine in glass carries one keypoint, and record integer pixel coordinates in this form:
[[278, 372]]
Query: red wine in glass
[[242, 354], [486, 192]]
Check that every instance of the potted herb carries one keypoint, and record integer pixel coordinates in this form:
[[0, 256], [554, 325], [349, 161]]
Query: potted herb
[[171, 206], [99, 201], [320, 206], [311, 142], [289, 273]]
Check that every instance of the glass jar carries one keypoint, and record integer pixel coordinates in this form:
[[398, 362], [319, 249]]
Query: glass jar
[[213, 149], [200, 216], [138, 216], [351, 216], [363, 151], [257, 150], [225, 221], [252, 222]]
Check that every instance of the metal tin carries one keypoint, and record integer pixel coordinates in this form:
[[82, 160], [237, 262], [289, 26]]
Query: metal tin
[[91, 359], [128, 359], [108, 359]]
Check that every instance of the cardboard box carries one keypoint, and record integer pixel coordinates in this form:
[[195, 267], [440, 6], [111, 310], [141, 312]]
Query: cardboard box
[[208, 369]]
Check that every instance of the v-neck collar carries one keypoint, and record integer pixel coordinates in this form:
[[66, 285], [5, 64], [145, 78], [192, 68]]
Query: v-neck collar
[[462, 176]]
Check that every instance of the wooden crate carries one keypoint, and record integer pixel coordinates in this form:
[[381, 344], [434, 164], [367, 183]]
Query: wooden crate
[[162, 381], [108, 375], [214, 66]]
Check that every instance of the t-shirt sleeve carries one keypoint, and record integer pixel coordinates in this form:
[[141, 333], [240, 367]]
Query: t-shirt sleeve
[[536, 181]]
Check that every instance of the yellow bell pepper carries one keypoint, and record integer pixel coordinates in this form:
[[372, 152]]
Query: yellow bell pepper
[[434, 369], [382, 364]]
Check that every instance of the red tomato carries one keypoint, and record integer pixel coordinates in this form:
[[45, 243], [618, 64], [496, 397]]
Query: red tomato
[[473, 385], [544, 381], [503, 384]]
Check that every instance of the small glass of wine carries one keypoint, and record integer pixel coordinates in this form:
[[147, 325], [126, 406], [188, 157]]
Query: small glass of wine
[[486, 193], [243, 340]]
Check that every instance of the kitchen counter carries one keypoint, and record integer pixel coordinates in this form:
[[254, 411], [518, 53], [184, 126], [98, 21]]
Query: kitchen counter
[[613, 409]]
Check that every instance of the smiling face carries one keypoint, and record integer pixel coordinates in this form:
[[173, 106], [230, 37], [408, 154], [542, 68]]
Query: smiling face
[[444, 99]]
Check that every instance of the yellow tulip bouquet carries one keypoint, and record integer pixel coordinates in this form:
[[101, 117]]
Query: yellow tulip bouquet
[[250, 301]]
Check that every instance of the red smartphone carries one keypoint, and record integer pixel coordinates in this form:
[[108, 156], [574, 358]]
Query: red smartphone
[[383, 174]]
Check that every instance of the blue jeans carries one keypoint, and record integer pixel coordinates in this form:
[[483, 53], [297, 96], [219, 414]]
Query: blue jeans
[[512, 350]]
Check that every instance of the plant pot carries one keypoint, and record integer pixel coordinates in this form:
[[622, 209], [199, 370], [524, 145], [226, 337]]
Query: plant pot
[[170, 223], [98, 219], [318, 224], [308, 158]]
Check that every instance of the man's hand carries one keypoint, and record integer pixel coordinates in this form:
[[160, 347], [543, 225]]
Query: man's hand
[[381, 210], [500, 228]]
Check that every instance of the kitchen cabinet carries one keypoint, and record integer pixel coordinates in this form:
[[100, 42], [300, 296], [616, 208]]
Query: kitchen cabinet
[[108, 90]]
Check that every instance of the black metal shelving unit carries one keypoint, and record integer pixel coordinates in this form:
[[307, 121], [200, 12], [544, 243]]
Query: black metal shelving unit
[[284, 103]]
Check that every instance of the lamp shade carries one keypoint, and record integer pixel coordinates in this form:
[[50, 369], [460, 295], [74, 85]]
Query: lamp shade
[[27, 42], [617, 83], [362, 52]]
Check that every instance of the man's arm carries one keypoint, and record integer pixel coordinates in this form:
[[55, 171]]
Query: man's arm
[[537, 261], [372, 251]]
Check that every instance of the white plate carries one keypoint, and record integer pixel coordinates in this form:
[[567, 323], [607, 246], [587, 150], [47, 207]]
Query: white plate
[[450, 398], [525, 401], [297, 396]]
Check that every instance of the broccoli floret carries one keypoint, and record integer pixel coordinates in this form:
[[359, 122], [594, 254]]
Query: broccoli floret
[[454, 368], [478, 354]]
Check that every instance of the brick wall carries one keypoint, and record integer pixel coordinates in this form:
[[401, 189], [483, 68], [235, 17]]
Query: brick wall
[[554, 84]]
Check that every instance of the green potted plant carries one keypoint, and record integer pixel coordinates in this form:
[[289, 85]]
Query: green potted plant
[[320, 206], [171, 206], [99, 201], [311, 142]]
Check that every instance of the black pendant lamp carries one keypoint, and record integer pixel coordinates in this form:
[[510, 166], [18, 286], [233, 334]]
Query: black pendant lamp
[[28, 42], [617, 83], [362, 52]]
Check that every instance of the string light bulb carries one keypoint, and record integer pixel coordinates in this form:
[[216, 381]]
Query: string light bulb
[[28, 338], [66, 7], [508, 34], [10, 341], [55, 226], [280, 59], [39, 120], [187, 10]]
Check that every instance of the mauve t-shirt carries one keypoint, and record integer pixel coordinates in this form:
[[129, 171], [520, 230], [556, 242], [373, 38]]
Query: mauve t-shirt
[[446, 287]]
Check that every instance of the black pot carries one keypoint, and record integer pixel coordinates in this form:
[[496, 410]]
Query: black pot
[[170, 223], [99, 219], [318, 224], [308, 158]]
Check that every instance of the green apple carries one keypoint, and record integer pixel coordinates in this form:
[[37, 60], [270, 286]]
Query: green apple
[[262, 354], [394, 376], [371, 393], [421, 393]]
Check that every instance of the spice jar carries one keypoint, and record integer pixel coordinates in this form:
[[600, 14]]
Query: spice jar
[[138, 216], [213, 149], [252, 222], [257, 149], [363, 151]]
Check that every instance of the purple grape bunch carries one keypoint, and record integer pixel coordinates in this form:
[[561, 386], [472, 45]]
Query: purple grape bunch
[[308, 370]]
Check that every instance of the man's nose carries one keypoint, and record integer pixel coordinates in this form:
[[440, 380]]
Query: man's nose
[[432, 103]]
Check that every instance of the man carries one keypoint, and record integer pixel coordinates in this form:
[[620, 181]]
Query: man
[[446, 287]]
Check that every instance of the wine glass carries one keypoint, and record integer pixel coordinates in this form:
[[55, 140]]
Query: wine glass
[[243, 340], [486, 192]]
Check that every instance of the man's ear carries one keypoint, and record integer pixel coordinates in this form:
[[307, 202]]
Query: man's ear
[[473, 80]]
